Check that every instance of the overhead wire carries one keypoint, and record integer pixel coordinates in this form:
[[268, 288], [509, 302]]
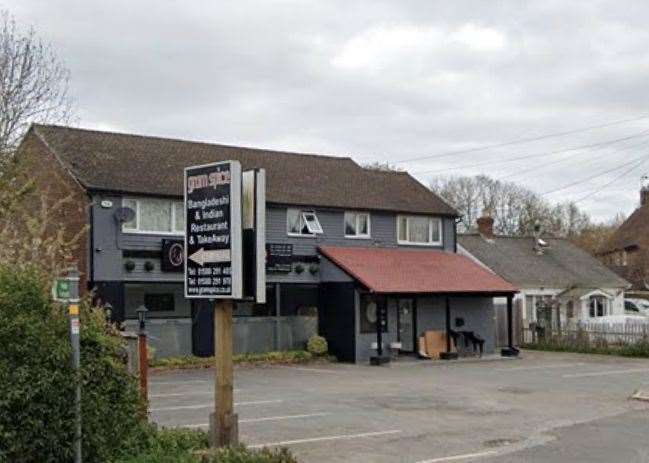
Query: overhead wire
[[519, 141], [536, 155]]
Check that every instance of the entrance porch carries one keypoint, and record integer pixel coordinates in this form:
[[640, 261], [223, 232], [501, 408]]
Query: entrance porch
[[377, 303]]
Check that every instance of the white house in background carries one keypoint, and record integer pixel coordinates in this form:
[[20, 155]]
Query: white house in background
[[557, 280]]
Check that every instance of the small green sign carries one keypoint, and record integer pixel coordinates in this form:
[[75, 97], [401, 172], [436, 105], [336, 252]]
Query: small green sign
[[62, 290]]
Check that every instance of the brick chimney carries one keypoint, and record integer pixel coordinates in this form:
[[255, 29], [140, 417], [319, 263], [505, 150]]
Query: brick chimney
[[644, 196], [486, 225]]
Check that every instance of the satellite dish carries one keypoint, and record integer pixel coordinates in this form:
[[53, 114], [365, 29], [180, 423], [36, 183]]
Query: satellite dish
[[542, 243], [124, 214]]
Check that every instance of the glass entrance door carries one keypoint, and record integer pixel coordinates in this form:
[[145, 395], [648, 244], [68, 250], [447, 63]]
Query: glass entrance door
[[406, 324]]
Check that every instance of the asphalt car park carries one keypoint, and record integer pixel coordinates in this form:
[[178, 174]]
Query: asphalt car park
[[419, 411]]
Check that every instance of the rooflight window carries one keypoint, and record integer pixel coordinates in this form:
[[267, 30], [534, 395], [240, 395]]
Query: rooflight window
[[419, 230], [357, 225], [155, 216], [302, 223]]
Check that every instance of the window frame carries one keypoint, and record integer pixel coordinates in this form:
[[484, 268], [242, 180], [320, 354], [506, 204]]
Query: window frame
[[432, 221], [137, 230], [301, 214], [357, 236]]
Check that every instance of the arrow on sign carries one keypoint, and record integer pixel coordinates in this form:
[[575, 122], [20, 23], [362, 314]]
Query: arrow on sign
[[202, 257]]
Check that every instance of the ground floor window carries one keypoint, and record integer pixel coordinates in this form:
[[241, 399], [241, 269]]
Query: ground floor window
[[164, 300], [298, 299], [369, 315], [597, 306]]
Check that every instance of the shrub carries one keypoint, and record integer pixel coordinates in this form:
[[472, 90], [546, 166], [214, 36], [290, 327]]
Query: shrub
[[278, 357], [37, 382], [317, 345], [242, 455]]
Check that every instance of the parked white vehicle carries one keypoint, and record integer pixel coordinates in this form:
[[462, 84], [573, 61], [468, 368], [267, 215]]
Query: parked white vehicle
[[639, 306]]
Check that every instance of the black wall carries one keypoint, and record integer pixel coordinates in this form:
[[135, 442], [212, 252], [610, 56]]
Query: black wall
[[337, 319], [111, 292]]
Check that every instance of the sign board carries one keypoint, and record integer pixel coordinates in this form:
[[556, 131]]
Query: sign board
[[213, 241], [61, 291], [173, 256], [254, 235], [279, 257]]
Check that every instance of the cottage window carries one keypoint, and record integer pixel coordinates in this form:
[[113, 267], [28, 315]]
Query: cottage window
[[419, 230], [159, 216], [597, 306], [302, 223], [357, 225]]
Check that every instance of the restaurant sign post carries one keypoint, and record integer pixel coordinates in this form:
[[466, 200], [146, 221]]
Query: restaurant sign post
[[224, 253]]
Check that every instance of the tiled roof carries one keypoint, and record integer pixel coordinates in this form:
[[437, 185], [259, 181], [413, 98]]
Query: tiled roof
[[395, 270], [633, 232], [561, 265], [153, 166]]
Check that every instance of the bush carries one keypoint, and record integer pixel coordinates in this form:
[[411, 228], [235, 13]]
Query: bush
[[317, 345], [242, 455], [280, 357], [37, 382], [168, 446]]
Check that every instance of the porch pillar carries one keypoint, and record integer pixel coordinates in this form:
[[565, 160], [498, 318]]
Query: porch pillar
[[510, 350], [381, 307], [448, 355]]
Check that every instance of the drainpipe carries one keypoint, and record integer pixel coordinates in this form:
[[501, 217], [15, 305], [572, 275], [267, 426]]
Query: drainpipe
[[448, 355]]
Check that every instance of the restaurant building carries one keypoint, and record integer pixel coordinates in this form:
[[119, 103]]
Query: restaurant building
[[365, 257]]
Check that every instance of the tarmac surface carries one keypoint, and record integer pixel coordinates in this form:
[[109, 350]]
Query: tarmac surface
[[543, 407]]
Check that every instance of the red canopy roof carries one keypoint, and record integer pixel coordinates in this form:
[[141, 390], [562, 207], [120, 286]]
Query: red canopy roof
[[392, 270]]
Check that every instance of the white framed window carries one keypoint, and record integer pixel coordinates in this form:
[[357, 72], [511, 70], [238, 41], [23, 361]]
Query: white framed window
[[357, 224], [155, 216], [597, 306], [419, 230], [302, 223]]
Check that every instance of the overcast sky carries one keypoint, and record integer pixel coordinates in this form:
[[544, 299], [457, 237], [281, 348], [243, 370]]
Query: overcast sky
[[376, 80]]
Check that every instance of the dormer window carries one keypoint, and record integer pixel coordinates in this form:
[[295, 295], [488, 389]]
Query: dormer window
[[301, 222]]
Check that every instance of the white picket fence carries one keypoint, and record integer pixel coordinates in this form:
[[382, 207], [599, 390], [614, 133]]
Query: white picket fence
[[589, 333]]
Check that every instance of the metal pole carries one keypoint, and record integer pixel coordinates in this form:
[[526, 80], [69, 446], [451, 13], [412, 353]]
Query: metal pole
[[73, 312], [224, 429]]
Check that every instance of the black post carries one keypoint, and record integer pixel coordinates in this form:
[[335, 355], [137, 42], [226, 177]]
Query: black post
[[510, 351], [381, 306], [379, 330], [448, 355]]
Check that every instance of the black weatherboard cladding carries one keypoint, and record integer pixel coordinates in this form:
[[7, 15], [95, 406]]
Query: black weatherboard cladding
[[336, 319]]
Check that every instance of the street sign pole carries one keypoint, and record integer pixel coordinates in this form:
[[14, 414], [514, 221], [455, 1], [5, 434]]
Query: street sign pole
[[66, 290]]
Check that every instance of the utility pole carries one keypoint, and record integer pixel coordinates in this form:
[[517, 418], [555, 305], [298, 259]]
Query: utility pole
[[143, 355]]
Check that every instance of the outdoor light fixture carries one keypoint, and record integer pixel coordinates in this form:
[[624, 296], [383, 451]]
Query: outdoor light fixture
[[141, 316]]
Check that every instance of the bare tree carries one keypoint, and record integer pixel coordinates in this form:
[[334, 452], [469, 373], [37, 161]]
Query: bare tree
[[515, 209], [34, 84]]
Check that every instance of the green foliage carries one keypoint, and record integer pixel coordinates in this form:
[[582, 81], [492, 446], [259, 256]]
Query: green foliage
[[279, 357], [639, 349], [317, 345], [242, 455], [168, 446], [37, 382]]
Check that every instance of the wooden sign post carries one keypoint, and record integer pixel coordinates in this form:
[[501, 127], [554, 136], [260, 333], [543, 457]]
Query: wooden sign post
[[224, 262], [213, 270], [223, 422]]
